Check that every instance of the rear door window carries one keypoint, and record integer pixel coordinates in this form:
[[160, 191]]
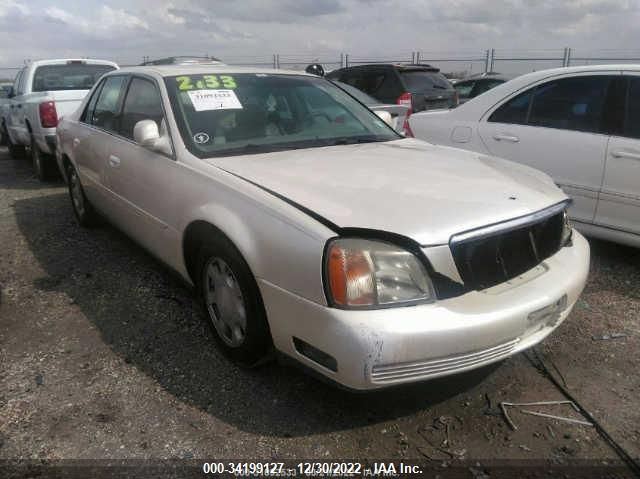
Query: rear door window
[[632, 119], [353, 78], [464, 88], [70, 76], [421, 80], [380, 84], [515, 111], [143, 102], [485, 85], [576, 103], [105, 114], [570, 104]]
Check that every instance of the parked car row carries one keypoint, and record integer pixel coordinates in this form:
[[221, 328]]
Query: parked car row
[[310, 227]]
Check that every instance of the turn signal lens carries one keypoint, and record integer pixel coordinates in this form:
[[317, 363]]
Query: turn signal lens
[[351, 276], [366, 273]]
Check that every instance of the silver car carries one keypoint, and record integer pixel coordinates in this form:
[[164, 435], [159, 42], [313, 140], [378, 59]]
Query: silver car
[[311, 228]]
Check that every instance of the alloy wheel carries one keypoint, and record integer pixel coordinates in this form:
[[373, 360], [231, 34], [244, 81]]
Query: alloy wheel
[[224, 301]]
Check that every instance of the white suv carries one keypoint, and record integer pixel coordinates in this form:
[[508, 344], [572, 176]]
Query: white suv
[[42, 93]]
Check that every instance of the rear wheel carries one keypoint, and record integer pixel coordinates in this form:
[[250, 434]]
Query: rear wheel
[[83, 210], [232, 303], [43, 164], [17, 152]]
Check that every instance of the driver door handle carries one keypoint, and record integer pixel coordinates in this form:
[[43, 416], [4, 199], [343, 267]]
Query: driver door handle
[[505, 137], [114, 161], [633, 155]]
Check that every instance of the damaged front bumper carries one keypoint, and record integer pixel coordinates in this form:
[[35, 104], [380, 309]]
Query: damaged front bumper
[[378, 348]]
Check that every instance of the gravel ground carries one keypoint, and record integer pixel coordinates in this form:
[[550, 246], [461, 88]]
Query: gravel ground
[[105, 355]]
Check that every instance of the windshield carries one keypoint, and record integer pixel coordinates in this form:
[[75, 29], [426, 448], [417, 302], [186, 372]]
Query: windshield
[[359, 95], [220, 115], [421, 80], [70, 76]]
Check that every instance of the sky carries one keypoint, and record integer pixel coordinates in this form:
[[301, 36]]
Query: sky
[[127, 30]]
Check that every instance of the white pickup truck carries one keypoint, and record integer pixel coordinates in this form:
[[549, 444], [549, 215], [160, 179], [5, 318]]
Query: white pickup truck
[[42, 93]]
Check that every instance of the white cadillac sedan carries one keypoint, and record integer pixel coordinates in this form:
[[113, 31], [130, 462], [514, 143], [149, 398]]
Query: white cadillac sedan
[[309, 226], [581, 125]]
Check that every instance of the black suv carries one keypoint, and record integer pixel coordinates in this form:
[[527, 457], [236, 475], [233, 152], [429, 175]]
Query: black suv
[[422, 87]]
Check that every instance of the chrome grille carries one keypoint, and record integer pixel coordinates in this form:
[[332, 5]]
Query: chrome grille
[[492, 255], [432, 367]]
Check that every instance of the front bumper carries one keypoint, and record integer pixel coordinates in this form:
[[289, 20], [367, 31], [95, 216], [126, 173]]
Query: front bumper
[[379, 348]]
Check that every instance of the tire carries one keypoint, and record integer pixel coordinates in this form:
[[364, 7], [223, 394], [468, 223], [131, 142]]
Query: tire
[[83, 210], [17, 152], [42, 163], [232, 303]]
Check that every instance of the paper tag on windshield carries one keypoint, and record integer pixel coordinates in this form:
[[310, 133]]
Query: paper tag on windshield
[[205, 100]]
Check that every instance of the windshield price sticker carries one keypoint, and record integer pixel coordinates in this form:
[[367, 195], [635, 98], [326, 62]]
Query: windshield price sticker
[[213, 82], [207, 100]]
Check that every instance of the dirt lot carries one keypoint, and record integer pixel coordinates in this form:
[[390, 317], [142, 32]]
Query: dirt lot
[[104, 354]]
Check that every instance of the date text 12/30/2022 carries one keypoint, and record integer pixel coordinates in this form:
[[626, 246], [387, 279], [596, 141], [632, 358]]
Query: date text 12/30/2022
[[311, 469]]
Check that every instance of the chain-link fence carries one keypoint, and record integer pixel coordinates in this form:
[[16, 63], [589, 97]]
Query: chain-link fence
[[458, 63]]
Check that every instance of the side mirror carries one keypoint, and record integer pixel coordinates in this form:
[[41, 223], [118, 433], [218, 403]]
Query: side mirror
[[385, 116], [146, 133], [11, 93], [315, 69]]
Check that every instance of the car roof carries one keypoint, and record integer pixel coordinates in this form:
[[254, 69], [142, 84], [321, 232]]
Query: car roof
[[490, 76], [183, 59], [478, 106], [397, 66], [196, 69], [62, 61]]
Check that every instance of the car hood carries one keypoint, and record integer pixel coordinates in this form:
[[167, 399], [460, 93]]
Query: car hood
[[408, 187]]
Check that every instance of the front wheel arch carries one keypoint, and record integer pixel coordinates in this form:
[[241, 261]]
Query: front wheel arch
[[198, 239]]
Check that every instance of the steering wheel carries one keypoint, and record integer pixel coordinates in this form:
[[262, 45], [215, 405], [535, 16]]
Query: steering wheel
[[309, 116]]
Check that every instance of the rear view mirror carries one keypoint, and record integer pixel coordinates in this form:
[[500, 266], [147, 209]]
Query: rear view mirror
[[385, 116], [146, 133]]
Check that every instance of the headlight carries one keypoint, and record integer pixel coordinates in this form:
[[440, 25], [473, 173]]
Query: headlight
[[566, 229], [366, 273]]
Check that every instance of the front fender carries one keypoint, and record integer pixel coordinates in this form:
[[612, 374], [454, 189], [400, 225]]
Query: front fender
[[275, 249]]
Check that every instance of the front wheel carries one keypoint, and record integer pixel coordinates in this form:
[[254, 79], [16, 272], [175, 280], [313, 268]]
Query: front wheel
[[83, 210], [232, 303]]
